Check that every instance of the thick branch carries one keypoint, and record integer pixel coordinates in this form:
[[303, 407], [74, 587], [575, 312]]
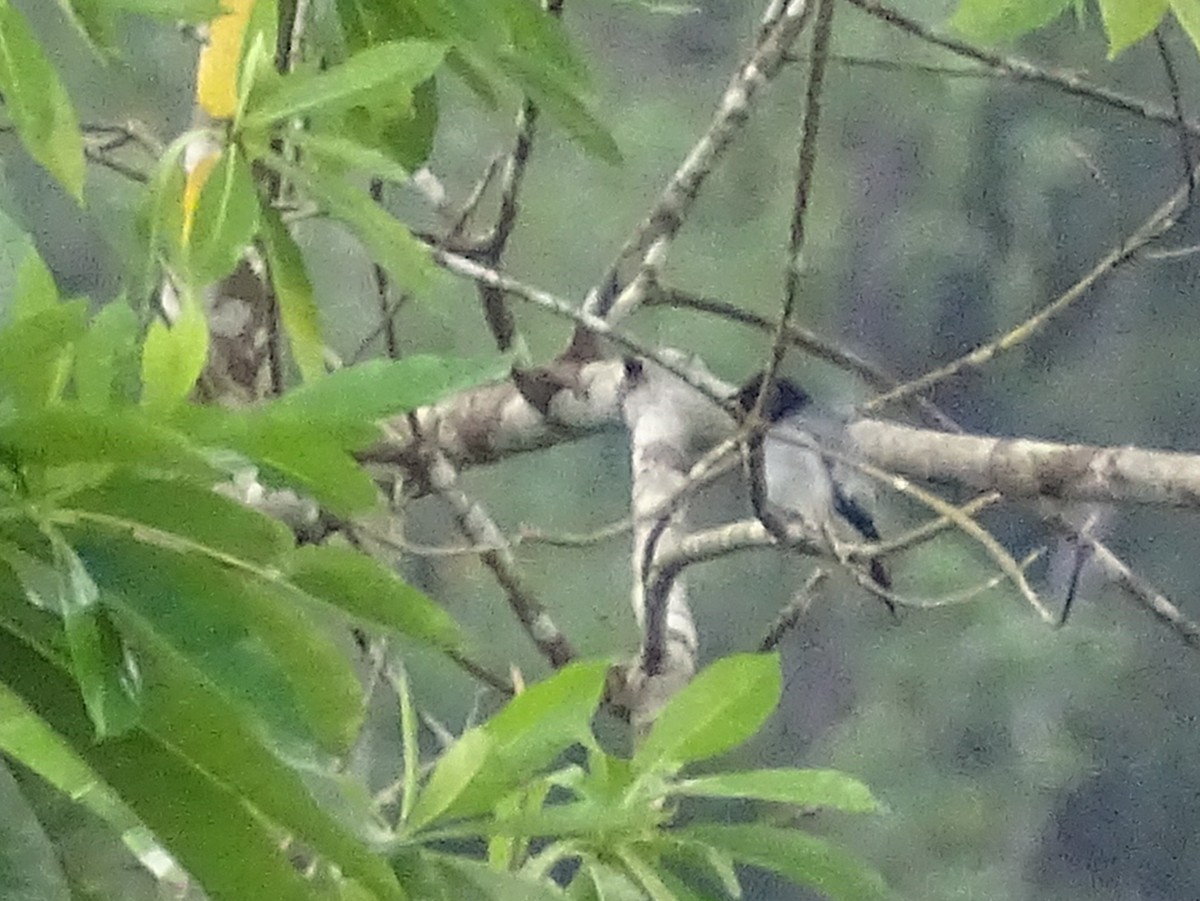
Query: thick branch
[[1021, 467]]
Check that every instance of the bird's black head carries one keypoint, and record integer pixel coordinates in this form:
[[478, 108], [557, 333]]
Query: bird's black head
[[784, 397]]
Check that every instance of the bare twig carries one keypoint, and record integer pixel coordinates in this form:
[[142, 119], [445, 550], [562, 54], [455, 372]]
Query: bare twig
[[925, 531], [479, 528], [1185, 152], [387, 319], [805, 166], [1142, 591], [1021, 69], [804, 339], [1158, 224], [460, 265], [791, 614], [648, 243]]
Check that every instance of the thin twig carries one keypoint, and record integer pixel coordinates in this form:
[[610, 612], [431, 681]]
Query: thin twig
[[1021, 69], [1185, 152], [898, 65], [1141, 590], [130, 172], [804, 339], [965, 523], [479, 528], [387, 320], [926, 531], [469, 268], [647, 245], [576, 539], [805, 166], [1158, 224], [793, 612]]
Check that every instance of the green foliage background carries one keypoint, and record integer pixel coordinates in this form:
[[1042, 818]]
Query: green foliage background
[[1014, 762]]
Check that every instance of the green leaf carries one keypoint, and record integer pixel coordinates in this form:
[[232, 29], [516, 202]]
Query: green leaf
[[452, 877], [226, 219], [94, 21], [173, 356], [720, 709], [106, 674], [206, 823], [596, 881], [196, 513], [183, 711], [802, 858], [532, 730], [37, 103], [1128, 21], [256, 645], [696, 856], [29, 866], [35, 353], [35, 291], [294, 295], [396, 66], [106, 365], [69, 434], [357, 584], [565, 106], [450, 778], [647, 875], [304, 456], [30, 740], [578, 819], [348, 154], [376, 389], [159, 219], [388, 241], [1188, 14], [410, 748], [809, 788], [1001, 20]]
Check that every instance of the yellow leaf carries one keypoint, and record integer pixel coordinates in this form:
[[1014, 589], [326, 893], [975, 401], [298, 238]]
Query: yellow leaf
[[216, 78], [192, 188]]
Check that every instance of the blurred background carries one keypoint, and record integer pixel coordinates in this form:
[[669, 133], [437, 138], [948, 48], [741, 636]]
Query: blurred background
[[1015, 762]]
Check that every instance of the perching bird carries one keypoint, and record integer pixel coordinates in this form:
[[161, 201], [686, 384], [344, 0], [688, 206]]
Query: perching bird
[[801, 482]]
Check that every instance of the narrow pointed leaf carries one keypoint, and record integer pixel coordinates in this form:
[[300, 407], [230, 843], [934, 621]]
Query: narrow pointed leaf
[[258, 648], [195, 513], [206, 824], [376, 389], [294, 295], [106, 364], [226, 219], [173, 356], [30, 740], [35, 353], [800, 857], [1128, 21], [809, 788], [720, 709], [1000, 20], [37, 103], [70, 434], [35, 291], [532, 730], [398, 66], [454, 771], [1187, 12], [386, 239], [353, 582]]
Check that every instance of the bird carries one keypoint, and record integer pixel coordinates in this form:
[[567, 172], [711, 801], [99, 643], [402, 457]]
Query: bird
[[801, 482]]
